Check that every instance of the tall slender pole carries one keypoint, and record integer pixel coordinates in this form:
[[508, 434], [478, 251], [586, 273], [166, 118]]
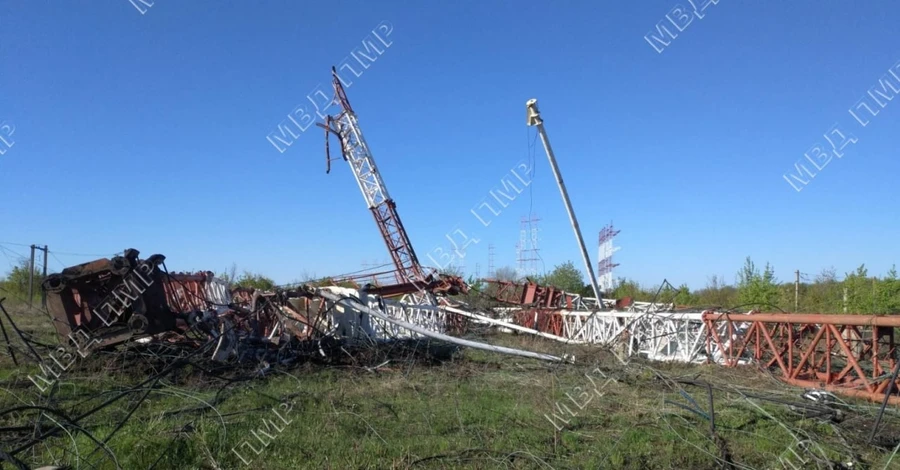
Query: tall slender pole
[[31, 278], [44, 276], [797, 291], [534, 119]]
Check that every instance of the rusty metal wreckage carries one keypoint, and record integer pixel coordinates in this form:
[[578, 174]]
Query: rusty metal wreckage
[[849, 354], [129, 300]]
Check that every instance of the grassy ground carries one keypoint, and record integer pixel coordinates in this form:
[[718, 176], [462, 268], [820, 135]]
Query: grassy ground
[[478, 410]]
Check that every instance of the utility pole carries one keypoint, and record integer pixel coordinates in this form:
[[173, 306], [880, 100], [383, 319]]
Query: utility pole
[[534, 119], [845, 300], [44, 276], [31, 278], [797, 291]]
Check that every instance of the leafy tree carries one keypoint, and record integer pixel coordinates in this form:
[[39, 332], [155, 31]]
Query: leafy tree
[[630, 288], [823, 294], [869, 295], [755, 289], [683, 296], [716, 293], [16, 281], [475, 285], [566, 277], [889, 292], [256, 281], [860, 291]]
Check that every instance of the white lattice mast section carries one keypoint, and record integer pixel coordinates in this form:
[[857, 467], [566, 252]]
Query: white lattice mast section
[[605, 266], [356, 152]]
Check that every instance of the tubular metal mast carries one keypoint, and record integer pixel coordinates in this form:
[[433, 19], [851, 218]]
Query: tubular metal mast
[[534, 119], [356, 152]]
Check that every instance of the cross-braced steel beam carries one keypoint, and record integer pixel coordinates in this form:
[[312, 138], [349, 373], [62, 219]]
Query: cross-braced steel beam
[[850, 354], [356, 152]]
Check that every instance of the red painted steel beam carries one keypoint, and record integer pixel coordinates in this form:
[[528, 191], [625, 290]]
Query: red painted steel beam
[[848, 354], [817, 318], [531, 293]]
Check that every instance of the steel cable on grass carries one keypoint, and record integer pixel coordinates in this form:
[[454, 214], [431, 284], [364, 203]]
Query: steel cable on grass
[[178, 362], [165, 371]]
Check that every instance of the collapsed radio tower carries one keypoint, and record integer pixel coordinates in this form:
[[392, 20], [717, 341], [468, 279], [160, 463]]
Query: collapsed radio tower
[[605, 266], [411, 277]]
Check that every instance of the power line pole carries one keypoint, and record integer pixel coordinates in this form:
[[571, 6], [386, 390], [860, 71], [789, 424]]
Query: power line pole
[[31, 275], [44, 276], [31, 278], [797, 291]]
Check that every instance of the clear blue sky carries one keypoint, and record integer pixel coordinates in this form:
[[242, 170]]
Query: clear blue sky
[[149, 131]]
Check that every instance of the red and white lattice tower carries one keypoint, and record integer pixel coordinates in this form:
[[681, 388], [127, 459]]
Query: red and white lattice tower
[[605, 279]]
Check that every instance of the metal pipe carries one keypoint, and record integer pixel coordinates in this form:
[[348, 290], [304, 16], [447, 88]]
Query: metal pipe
[[431, 334], [511, 326], [534, 119], [44, 276]]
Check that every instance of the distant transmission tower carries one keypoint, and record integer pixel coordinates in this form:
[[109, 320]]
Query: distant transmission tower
[[605, 280], [527, 247], [490, 260]]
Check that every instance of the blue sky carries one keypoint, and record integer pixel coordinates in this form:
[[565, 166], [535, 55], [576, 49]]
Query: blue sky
[[149, 131]]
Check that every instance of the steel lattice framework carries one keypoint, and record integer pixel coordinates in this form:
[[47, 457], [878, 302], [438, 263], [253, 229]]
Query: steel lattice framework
[[356, 152], [850, 354]]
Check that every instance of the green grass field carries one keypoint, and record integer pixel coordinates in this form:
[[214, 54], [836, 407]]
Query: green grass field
[[476, 410]]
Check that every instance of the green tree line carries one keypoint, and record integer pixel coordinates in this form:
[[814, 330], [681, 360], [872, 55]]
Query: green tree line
[[14, 284], [858, 292]]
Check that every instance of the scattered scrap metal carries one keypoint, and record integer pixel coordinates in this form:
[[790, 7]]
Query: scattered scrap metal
[[854, 355], [124, 299], [136, 309]]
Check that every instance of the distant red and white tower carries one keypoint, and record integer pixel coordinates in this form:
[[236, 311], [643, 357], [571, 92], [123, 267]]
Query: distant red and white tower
[[605, 280]]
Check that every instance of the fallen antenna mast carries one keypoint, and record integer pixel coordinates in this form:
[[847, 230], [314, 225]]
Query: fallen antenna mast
[[411, 277]]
